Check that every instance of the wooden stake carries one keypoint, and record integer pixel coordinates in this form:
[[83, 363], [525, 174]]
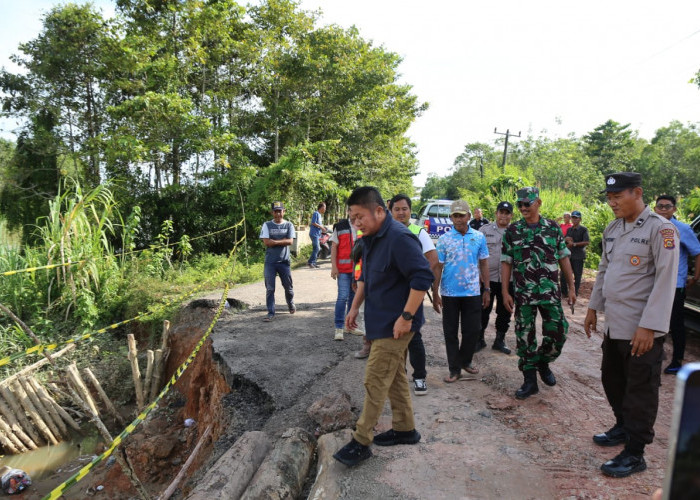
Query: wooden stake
[[135, 372], [103, 395], [148, 379], [19, 413], [78, 403], [34, 413], [48, 403], [7, 443], [42, 411], [122, 459], [65, 416], [157, 371], [7, 430], [16, 426], [77, 381], [180, 475], [166, 332]]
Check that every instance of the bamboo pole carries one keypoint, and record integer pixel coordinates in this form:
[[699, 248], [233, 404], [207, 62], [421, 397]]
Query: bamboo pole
[[42, 411], [34, 413], [157, 370], [138, 388], [180, 475], [21, 416], [121, 458], [16, 427], [28, 369], [148, 379], [81, 388], [7, 430], [164, 338], [47, 401], [103, 395], [65, 416]]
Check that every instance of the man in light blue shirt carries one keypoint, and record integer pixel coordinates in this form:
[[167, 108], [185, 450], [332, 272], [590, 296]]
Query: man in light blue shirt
[[463, 261], [315, 230], [666, 207]]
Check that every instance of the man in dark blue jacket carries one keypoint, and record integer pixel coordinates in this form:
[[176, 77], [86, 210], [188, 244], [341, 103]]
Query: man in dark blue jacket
[[395, 277]]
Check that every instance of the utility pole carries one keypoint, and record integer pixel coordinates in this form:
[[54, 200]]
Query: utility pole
[[505, 149]]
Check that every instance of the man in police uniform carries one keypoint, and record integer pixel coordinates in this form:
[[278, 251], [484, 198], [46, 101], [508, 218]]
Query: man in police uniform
[[494, 241], [635, 285]]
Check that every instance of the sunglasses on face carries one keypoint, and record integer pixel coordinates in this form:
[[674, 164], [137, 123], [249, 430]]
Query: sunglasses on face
[[664, 206], [524, 204]]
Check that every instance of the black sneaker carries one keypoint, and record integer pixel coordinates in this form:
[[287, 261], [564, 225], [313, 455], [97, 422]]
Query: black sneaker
[[624, 465], [392, 437], [672, 368], [420, 388], [612, 437], [352, 453]]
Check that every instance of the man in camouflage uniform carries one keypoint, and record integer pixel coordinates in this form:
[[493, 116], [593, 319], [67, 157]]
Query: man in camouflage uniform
[[533, 250]]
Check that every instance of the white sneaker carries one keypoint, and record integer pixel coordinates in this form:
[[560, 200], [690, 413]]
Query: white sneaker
[[338, 334], [359, 333]]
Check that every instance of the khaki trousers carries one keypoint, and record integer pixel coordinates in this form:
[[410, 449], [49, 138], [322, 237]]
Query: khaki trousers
[[385, 376]]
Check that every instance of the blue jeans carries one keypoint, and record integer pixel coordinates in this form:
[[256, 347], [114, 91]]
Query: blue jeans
[[315, 247], [272, 269], [344, 300]]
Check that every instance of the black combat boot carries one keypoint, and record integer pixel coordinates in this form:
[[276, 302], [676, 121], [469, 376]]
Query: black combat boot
[[529, 387], [499, 344], [480, 342], [546, 374]]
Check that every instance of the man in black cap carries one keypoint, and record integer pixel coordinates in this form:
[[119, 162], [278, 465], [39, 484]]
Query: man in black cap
[[494, 240], [576, 241], [635, 287]]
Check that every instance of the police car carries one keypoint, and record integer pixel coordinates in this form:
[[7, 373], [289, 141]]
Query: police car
[[434, 217]]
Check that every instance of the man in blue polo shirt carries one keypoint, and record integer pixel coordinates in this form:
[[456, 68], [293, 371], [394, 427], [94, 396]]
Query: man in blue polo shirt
[[463, 262], [394, 279], [666, 207]]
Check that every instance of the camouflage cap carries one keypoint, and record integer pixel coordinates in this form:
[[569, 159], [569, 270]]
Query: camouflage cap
[[459, 207], [528, 194]]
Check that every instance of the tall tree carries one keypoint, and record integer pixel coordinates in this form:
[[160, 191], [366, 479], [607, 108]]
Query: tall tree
[[611, 147]]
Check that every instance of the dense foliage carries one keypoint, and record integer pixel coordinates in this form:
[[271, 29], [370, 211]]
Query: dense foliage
[[170, 99]]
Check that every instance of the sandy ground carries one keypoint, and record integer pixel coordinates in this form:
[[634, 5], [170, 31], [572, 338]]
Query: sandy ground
[[478, 440]]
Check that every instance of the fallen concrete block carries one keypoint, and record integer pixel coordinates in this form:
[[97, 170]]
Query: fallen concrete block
[[232, 473], [284, 470], [327, 485]]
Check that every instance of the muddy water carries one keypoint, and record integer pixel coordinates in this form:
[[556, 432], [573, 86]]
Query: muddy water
[[46, 460]]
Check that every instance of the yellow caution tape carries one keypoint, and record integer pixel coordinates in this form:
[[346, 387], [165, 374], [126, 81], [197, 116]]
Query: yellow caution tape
[[59, 490]]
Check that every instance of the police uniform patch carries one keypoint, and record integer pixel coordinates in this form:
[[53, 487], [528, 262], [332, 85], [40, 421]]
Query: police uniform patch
[[635, 260], [667, 233], [669, 243]]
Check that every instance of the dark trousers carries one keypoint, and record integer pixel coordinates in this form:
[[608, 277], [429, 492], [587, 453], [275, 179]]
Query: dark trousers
[[468, 311], [677, 328], [271, 270], [416, 355], [577, 268], [502, 314], [631, 384]]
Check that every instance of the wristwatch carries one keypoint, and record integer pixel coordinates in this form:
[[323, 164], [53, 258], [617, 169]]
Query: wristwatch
[[407, 315], [487, 289]]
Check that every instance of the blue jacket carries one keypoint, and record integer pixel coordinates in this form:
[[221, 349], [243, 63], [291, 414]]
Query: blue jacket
[[689, 246], [392, 265]]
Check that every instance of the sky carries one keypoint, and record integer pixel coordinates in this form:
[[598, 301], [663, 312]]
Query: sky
[[543, 67]]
